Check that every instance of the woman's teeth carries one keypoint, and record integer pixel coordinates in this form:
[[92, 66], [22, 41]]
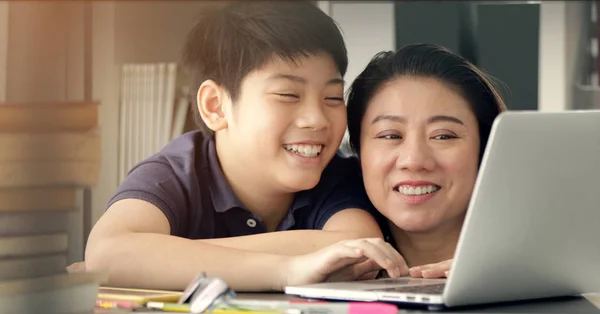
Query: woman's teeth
[[304, 150], [419, 190]]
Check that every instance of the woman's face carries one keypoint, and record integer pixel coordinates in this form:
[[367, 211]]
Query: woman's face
[[419, 153]]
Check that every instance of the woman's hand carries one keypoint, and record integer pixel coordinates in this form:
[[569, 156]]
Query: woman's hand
[[345, 261], [435, 270]]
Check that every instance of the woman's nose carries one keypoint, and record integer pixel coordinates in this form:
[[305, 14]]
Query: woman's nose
[[415, 155]]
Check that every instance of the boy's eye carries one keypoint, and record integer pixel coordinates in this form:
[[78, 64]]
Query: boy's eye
[[334, 101], [287, 95]]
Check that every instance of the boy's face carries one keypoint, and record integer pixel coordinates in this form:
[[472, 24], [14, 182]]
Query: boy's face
[[287, 122]]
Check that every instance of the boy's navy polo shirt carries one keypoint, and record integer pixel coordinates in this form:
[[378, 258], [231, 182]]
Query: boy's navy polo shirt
[[185, 181]]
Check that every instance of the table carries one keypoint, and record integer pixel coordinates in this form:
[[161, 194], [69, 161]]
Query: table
[[588, 304]]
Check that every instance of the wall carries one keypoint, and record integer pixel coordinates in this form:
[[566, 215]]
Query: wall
[[152, 31], [510, 53], [432, 22], [364, 37], [552, 92], [105, 88], [367, 27], [559, 43], [561, 31], [578, 33]]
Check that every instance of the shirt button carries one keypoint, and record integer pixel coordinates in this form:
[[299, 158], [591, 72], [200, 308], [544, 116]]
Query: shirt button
[[251, 223]]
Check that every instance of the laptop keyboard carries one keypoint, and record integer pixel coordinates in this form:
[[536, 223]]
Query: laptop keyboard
[[422, 289]]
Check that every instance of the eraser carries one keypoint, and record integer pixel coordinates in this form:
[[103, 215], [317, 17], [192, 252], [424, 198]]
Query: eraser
[[372, 307]]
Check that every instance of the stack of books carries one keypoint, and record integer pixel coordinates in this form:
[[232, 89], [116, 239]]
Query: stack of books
[[47, 152]]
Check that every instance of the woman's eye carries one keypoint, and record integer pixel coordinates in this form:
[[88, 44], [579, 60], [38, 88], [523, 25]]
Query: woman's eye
[[444, 137], [335, 99], [390, 137]]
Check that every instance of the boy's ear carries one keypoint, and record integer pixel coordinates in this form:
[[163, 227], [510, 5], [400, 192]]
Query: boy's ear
[[211, 98]]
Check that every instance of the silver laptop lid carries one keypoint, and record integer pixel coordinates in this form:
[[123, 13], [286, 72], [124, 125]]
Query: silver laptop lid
[[533, 225]]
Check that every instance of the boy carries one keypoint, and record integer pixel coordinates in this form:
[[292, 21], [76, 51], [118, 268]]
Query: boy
[[268, 77]]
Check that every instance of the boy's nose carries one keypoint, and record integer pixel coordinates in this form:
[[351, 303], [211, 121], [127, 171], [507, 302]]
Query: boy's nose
[[313, 116]]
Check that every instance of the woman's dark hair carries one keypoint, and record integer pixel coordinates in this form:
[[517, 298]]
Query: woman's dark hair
[[425, 60]]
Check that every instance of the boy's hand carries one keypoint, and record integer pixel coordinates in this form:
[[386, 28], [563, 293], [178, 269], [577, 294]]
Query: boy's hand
[[345, 261], [435, 270]]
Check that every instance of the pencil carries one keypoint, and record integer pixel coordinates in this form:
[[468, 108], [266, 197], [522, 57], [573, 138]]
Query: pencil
[[185, 308]]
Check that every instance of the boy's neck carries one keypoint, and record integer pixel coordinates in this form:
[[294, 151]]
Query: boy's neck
[[258, 197], [420, 248]]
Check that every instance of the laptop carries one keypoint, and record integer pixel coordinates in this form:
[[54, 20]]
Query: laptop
[[532, 228]]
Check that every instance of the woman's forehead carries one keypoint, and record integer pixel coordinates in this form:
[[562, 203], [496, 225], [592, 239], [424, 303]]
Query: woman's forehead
[[415, 98]]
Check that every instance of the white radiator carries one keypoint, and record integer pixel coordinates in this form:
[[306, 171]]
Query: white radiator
[[154, 105]]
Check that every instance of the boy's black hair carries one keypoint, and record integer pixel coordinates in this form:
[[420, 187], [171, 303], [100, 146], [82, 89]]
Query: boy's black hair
[[233, 38]]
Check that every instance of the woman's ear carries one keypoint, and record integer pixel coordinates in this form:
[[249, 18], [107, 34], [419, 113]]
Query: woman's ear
[[211, 98]]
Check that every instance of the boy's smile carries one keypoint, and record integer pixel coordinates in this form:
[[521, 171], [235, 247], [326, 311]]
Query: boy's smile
[[285, 126], [305, 153], [304, 149]]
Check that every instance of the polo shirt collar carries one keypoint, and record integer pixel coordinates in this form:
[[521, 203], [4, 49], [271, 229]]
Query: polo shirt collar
[[221, 193]]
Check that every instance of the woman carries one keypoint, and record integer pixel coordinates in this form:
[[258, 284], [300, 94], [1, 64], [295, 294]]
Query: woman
[[419, 120]]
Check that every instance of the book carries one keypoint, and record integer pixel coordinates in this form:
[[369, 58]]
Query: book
[[48, 117], [48, 173], [65, 146], [47, 152], [49, 198], [31, 245], [59, 294], [32, 266], [33, 223]]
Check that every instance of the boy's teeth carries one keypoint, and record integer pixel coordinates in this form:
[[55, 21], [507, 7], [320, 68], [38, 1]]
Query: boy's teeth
[[420, 190], [304, 150]]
